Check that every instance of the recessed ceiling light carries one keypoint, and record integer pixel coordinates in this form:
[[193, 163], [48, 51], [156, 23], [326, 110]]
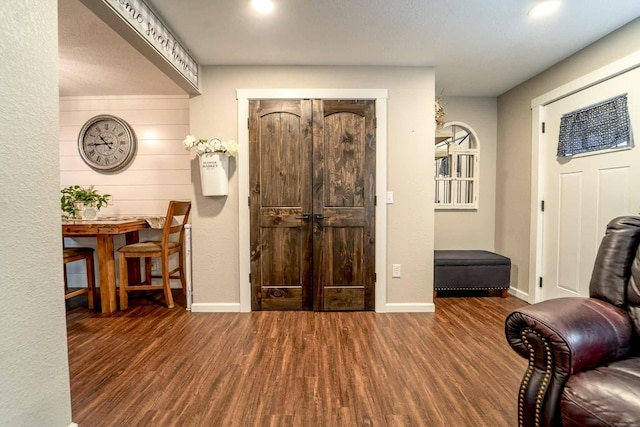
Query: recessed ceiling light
[[262, 6], [544, 8]]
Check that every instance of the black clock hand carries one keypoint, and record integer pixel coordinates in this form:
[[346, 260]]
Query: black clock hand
[[106, 142]]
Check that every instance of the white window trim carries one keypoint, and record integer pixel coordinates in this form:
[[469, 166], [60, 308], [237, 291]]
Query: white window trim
[[476, 179]]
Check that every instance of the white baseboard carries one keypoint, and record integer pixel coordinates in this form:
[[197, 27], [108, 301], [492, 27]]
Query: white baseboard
[[233, 307], [215, 307], [519, 294], [410, 307], [73, 425]]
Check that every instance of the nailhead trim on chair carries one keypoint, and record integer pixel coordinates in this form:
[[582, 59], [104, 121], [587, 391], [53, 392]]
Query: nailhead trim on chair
[[529, 373]]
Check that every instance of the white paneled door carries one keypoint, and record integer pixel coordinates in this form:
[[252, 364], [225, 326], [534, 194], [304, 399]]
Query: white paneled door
[[582, 194]]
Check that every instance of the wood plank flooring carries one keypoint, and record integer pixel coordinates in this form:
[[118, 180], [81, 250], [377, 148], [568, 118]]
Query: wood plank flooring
[[151, 366]]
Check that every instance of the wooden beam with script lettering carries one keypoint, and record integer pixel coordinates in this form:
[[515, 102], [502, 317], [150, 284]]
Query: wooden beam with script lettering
[[138, 24]]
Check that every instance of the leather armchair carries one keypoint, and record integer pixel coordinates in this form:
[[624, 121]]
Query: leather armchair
[[584, 368]]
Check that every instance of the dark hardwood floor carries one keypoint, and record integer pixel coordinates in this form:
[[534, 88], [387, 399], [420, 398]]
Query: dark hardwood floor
[[153, 366]]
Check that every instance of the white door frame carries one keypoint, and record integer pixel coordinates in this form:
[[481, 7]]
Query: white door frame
[[607, 72], [380, 96]]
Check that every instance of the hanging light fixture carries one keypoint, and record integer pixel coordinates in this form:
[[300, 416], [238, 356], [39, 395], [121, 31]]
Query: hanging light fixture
[[262, 6], [544, 8]]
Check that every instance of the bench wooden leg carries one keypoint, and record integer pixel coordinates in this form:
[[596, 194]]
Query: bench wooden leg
[[435, 294], [504, 293]]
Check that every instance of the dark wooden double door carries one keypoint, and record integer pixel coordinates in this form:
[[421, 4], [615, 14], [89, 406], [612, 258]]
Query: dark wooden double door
[[312, 203]]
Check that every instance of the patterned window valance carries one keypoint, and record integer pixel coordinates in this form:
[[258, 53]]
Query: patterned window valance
[[597, 127]]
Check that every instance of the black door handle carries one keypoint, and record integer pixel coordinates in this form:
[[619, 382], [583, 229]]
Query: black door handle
[[303, 216], [319, 217]]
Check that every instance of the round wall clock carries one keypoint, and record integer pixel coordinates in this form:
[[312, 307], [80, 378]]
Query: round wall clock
[[107, 143]]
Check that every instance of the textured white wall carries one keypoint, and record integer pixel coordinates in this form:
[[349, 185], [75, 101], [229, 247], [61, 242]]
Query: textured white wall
[[473, 229], [513, 183], [409, 169], [34, 373]]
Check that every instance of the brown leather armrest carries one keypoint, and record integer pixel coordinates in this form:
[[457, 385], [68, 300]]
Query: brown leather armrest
[[586, 332], [559, 338]]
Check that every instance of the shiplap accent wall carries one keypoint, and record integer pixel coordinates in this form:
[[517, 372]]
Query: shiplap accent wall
[[161, 170]]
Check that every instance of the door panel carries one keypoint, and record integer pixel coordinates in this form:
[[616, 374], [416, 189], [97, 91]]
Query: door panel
[[281, 260], [280, 159], [344, 155], [569, 231], [344, 205], [280, 196], [583, 193]]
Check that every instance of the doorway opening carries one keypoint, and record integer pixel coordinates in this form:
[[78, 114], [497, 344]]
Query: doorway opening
[[380, 98]]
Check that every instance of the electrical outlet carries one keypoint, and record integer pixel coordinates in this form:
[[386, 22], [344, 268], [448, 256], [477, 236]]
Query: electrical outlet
[[154, 266], [396, 270]]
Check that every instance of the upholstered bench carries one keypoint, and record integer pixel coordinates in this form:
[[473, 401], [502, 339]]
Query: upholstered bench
[[471, 270]]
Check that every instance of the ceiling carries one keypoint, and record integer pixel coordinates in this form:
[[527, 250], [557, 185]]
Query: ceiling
[[94, 60], [478, 47]]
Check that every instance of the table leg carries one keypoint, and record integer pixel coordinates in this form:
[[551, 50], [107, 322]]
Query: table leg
[[133, 264], [107, 271]]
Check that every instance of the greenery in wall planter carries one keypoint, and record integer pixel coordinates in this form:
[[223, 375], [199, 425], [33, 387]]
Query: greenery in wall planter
[[76, 201]]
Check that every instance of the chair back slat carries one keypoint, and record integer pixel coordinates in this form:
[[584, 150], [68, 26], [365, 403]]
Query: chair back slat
[[175, 209]]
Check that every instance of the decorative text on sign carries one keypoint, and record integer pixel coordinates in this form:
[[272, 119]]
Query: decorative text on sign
[[210, 164], [142, 19]]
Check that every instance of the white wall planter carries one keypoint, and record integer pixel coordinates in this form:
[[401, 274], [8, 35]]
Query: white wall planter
[[214, 174]]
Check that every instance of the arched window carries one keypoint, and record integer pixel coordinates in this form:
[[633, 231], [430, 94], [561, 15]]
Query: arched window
[[457, 156]]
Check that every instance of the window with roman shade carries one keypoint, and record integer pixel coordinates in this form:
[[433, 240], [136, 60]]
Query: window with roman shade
[[601, 126]]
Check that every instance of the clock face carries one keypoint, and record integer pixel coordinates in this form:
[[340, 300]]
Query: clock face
[[107, 143]]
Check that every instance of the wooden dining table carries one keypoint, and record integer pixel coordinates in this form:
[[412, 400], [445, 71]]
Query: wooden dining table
[[104, 230]]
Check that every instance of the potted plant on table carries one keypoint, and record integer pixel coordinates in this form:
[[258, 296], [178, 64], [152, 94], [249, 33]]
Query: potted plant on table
[[82, 203], [213, 156]]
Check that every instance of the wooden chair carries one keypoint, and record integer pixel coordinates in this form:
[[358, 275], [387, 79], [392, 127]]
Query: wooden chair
[[172, 243], [79, 254]]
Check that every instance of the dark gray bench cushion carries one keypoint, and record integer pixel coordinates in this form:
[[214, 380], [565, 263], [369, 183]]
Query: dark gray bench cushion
[[470, 269]]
